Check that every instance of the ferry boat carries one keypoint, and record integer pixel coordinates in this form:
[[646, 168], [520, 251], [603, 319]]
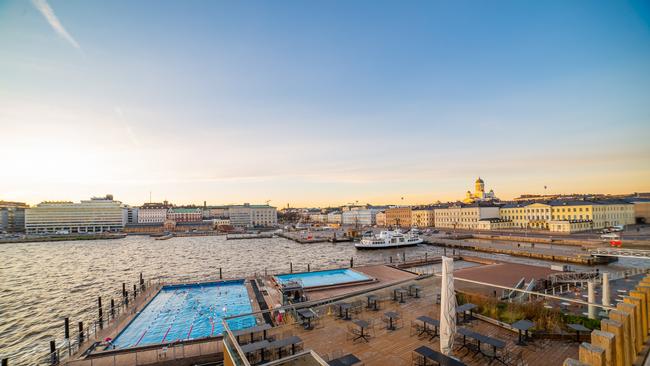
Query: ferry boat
[[389, 239]]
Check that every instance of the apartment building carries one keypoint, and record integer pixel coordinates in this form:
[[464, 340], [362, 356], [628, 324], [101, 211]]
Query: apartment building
[[185, 214], [153, 213], [364, 217], [422, 218], [464, 216], [398, 216], [12, 216]]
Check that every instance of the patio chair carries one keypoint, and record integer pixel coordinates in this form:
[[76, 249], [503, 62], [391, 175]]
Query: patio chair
[[357, 307], [416, 328], [352, 332], [513, 357]]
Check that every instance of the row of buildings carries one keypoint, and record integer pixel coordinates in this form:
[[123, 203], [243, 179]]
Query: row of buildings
[[482, 210], [104, 214], [557, 215]]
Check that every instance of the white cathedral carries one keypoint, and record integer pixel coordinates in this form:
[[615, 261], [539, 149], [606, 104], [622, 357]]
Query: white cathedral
[[480, 194]]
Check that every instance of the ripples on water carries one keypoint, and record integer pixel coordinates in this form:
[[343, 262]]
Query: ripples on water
[[42, 283]]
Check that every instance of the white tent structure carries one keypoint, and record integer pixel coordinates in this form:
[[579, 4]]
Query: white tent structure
[[447, 307]]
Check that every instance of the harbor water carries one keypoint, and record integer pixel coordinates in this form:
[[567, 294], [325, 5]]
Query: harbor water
[[43, 283]]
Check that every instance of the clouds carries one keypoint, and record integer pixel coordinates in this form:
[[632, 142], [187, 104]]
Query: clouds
[[44, 8]]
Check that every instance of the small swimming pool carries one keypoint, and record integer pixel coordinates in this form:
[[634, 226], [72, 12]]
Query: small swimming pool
[[183, 312], [323, 278]]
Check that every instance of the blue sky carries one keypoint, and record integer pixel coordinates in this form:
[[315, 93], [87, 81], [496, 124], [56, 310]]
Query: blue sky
[[315, 103]]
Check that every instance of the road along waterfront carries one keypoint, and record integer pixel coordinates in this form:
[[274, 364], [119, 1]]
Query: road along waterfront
[[42, 283]]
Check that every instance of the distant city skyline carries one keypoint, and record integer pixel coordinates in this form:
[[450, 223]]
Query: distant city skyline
[[322, 103]]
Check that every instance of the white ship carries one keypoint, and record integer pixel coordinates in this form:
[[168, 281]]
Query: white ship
[[389, 239]]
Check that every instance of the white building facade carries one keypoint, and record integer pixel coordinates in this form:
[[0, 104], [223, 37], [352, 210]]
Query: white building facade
[[364, 217], [463, 216], [153, 213], [96, 215]]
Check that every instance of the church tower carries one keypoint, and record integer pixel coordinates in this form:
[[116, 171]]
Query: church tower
[[479, 189]]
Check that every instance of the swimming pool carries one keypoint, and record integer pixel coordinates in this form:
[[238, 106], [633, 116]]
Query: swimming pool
[[323, 278], [183, 312]]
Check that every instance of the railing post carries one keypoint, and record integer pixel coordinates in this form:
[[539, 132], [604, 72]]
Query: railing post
[[290, 267], [101, 313], [220, 274], [66, 333], [53, 359], [81, 332], [308, 268]]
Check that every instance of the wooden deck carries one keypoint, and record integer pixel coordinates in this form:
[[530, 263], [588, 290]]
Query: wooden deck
[[385, 347]]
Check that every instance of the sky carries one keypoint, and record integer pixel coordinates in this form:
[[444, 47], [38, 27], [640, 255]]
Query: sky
[[315, 103]]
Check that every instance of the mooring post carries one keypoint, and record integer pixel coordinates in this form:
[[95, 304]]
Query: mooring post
[[66, 334], [308, 268], [220, 274], [53, 356], [351, 262], [81, 332], [290, 267], [101, 314], [123, 289], [112, 308], [135, 291], [66, 328]]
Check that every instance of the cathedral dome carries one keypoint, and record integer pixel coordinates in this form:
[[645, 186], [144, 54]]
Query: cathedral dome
[[479, 180]]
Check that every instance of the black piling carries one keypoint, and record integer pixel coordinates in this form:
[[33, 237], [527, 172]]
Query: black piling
[[66, 328], [54, 359], [101, 312], [308, 268], [220, 274], [290, 267], [5, 362], [126, 298], [141, 282], [123, 289], [112, 308], [135, 291], [81, 332], [351, 262]]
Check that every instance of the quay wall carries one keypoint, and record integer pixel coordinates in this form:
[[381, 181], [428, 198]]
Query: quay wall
[[576, 258]]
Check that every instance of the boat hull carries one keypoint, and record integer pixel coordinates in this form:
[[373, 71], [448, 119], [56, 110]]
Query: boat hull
[[386, 246]]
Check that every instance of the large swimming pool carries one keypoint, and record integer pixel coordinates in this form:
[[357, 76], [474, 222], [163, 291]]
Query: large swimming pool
[[183, 312], [323, 278]]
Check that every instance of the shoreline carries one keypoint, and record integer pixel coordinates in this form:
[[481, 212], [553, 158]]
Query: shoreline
[[63, 238]]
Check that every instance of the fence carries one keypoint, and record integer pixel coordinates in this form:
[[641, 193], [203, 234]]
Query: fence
[[136, 357]]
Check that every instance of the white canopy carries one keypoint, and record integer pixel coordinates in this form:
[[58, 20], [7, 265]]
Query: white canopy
[[447, 307]]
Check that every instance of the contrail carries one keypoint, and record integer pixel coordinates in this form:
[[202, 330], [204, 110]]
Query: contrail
[[48, 13]]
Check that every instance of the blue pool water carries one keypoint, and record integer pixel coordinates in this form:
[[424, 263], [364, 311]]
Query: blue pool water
[[184, 312], [323, 278]]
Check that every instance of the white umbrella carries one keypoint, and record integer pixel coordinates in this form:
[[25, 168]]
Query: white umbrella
[[447, 307]]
